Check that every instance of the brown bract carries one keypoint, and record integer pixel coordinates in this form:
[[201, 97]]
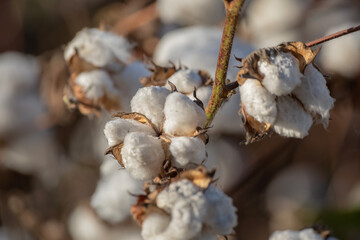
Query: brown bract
[[159, 75]]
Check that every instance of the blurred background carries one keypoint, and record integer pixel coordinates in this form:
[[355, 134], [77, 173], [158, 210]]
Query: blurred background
[[50, 157]]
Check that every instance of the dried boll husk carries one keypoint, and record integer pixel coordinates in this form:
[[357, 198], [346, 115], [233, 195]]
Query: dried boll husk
[[281, 90]]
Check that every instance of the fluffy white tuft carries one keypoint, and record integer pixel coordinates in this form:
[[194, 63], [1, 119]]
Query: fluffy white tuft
[[96, 84], [292, 120], [314, 94], [154, 224], [187, 150], [150, 101], [203, 94], [182, 115], [281, 74], [306, 234], [142, 155], [258, 102], [185, 81], [116, 129]]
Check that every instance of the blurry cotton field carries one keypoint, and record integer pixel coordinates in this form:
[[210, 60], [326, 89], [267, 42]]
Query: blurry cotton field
[[105, 131]]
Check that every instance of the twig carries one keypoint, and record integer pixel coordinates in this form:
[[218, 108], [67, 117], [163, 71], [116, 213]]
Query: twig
[[219, 92], [333, 36]]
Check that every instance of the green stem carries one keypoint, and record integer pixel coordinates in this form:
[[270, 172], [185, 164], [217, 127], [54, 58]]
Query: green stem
[[219, 92]]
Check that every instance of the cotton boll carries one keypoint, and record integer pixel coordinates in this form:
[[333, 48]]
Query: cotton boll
[[198, 47], [187, 151], [96, 84], [117, 128], [182, 116], [221, 215], [285, 235], [314, 94], [203, 94], [150, 101], [258, 102], [186, 12], [154, 224], [281, 73], [185, 81], [142, 155], [342, 55], [292, 120], [309, 234], [112, 199]]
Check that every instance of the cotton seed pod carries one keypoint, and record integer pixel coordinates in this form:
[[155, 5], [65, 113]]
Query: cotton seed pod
[[142, 155], [182, 116]]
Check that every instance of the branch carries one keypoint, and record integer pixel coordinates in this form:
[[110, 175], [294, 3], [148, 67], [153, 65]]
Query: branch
[[219, 92], [333, 36]]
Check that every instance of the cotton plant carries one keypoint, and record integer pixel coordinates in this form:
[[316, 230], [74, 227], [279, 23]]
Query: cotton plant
[[282, 91], [101, 77]]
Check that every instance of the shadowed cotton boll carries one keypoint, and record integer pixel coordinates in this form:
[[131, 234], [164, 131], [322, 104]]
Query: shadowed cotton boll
[[111, 199], [342, 55], [188, 12], [187, 150]]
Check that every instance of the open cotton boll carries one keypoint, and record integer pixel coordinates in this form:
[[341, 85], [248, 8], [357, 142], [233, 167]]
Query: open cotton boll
[[292, 120], [150, 101], [116, 129], [203, 94], [342, 55], [111, 199], [186, 12], [198, 48], [314, 94], [182, 116], [306, 234], [154, 224], [185, 81], [142, 155], [221, 215], [258, 102], [281, 73], [187, 151], [96, 84]]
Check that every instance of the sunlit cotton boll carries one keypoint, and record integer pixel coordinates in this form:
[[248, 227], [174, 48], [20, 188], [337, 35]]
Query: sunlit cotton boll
[[187, 12], [112, 199], [185, 81], [117, 128], [100, 48], [187, 151], [142, 155], [281, 73], [292, 120], [257, 101], [182, 116], [150, 101], [314, 94]]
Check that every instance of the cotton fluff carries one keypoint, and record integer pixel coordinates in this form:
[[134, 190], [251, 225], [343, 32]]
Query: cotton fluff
[[182, 116], [314, 94], [99, 48], [187, 151], [257, 101], [203, 94], [281, 73], [150, 101], [142, 155], [111, 199], [342, 55], [154, 224], [185, 81], [292, 120], [96, 84], [116, 129], [306, 234]]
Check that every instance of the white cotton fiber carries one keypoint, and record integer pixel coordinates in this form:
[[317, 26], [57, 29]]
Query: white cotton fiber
[[96, 84], [116, 129], [185, 81], [142, 155], [182, 116], [314, 94], [292, 120], [258, 102], [203, 94], [150, 101], [281, 74], [111, 199], [154, 224], [187, 150], [306, 234]]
